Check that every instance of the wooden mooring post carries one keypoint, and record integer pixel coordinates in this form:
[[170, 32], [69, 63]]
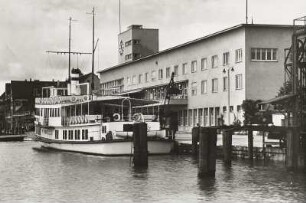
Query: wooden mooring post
[[292, 154], [140, 141], [227, 146], [195, 140], [250, 144], [207, 152]]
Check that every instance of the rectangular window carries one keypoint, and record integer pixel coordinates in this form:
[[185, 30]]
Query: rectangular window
[[224, 109], [194, 66], [238, 55], [205, 116], [147, 77], [185, 112], [211, 117], [184, 69], [200, 118], [225, 58], [85, 134], [153, 75], [263, 54], [189, 117], [128, 43], [70, 135], [128, 56], [238, 81], [195, 116], [140, 78], [56, 134], [134, 79], [176, 70], [136, 41], [214, 85], [204, 87], [214, 61], [160, 74], [168, 72], [225, 83], [194, 88], [65, 135], [204, 64], [77, 134], [128, 80]]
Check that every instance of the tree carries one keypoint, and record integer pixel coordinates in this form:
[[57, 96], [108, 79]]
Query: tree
[[251, 109]]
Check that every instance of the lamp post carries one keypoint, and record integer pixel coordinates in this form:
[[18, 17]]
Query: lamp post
[[227, 70]]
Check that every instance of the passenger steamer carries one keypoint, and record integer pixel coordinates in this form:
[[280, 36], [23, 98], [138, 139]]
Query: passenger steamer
[[87, 123], [77, 120]]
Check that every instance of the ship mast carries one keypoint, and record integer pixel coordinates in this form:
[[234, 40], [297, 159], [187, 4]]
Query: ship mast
[[94, 46], [69, 52]]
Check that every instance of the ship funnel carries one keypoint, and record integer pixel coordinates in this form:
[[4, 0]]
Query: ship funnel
[[74, 82]]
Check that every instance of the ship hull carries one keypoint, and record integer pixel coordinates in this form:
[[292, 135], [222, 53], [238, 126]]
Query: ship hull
[[109, 148]]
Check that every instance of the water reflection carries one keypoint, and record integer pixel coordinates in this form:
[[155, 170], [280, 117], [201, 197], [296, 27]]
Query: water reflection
[[208, 186], [34, 176], [140, 172]]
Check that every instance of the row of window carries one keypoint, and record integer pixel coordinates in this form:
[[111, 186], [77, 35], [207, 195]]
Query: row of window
[[134, 41], [194, 66], [72, 134], [214, 85], [207, 116], [47, 112], [263, 54], [132, 56]]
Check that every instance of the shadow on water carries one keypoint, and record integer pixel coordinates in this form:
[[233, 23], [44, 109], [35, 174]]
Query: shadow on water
[[208, 186]]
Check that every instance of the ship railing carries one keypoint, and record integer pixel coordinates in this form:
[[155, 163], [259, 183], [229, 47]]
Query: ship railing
[[82, 119]]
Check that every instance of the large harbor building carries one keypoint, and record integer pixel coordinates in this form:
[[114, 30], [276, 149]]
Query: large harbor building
[[214, 73]]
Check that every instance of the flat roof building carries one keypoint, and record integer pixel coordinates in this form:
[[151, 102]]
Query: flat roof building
[[215, 73], [137, 42]]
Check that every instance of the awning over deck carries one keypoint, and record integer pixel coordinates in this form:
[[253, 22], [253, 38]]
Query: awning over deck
[[162, 104], [279, 99], [131, 92]]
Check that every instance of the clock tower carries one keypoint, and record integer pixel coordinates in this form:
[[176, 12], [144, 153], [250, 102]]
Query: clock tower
[[137, 42]]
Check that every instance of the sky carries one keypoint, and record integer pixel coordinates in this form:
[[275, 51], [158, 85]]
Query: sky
[[29, 28]]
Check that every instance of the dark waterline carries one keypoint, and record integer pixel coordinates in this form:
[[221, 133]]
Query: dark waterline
[[27, 175]]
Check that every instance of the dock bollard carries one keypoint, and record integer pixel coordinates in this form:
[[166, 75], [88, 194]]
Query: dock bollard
[[207, 152], [227, 146], [195, 140], [140, 141], [292, 153], [250, 144]]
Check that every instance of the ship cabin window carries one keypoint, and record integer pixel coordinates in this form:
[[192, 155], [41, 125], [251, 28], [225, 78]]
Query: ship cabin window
[[85, 134], [70, 135], [65, 135], [77, 134], [37, 111], [56, 134], [103, 129]]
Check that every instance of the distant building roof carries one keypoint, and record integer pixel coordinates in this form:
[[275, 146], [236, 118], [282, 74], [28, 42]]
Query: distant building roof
[[195, 41], [24, 89]]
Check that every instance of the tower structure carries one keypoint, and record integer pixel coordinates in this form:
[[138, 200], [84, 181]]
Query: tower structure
[[137, 42]]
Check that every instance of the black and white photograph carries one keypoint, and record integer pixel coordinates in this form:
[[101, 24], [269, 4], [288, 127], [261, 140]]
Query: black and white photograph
[[152, 101]]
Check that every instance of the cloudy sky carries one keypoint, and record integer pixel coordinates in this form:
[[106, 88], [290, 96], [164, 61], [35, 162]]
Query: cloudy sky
[[29, 28]]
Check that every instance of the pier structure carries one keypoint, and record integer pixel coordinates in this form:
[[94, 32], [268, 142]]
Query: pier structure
[[295, 96]]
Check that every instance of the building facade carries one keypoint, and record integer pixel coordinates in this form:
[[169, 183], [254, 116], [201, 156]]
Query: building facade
[[137, 42], [214, 73]]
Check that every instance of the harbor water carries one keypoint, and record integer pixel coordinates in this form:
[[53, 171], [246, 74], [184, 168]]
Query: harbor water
[[27, 175]]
